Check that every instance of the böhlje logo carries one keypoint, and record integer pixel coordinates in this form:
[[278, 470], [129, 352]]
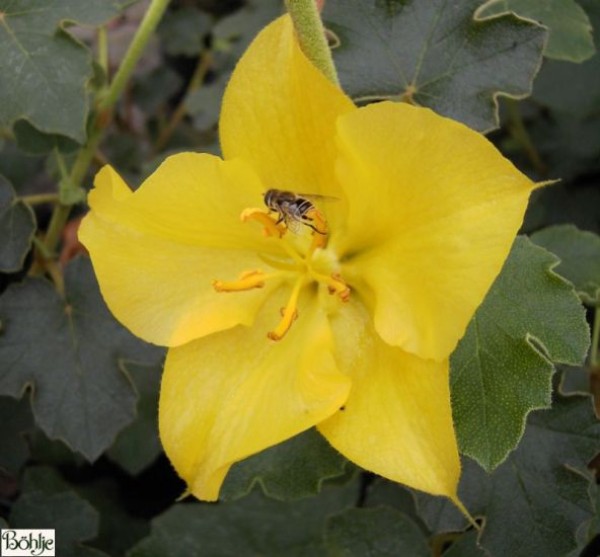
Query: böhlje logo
[[22, 542]]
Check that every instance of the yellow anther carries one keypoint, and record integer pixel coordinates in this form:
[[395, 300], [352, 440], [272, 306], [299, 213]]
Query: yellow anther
[[289, 313], [247, 281], [271, 228]]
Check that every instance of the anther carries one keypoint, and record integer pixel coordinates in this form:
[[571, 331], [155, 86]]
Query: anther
[[271, 227], [336, 285], [247, 281]]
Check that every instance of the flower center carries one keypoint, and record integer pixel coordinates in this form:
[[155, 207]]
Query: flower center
[[298, 264]]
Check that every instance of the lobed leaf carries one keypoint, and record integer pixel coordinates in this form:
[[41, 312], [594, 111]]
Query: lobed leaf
[[17, 227], [378, 532], [69, 352], [74, 520], [254, 525], [16, 420], [44, 70], [434, 54], [502, 368], [138, 445], [570, 29], [184, 31], [579, 253], [291, 470], [536, 501]]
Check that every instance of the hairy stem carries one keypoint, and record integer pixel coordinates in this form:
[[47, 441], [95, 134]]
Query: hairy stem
[[311, 35]]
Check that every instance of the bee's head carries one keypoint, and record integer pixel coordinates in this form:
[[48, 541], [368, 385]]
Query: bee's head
[[268, 198]]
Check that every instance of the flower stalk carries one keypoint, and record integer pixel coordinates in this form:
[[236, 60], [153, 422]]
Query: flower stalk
[[311, 35], [71, 184]]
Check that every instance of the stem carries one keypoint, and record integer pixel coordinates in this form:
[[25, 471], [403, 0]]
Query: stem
[[103, 49], [39, 198], [519, 132], [101, 121], [311, 35], [138, 43], [202, 67]]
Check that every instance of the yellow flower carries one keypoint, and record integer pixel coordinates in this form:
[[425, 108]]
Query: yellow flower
[[418, 215]]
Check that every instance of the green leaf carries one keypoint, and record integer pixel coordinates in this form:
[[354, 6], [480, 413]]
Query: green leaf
[[434, 54], [294, 469], [233, 33], [44, 70], [580, 97], [570, 29], [254, 525], [69, 352], [536, 501], [17, 227], [184, 31], [466, 546], [204, 104], [34, 142], [16, 420], [503, 366], [579, 253], [378, 532], [138, 445], [117, 529], [74, 520]]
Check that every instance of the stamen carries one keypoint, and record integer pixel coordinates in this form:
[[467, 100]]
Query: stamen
[[290, 313], [247, 281], [335, 284], [271, 228]]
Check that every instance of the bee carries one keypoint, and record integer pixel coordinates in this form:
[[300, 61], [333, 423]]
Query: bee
[[296, 208]]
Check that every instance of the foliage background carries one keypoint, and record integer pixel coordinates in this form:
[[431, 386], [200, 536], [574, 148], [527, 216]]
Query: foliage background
[[79, 450]]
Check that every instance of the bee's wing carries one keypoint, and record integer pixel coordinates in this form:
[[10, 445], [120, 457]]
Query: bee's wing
[[294, 225], [318, 197]]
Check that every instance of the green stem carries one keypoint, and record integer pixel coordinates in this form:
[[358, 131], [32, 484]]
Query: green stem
[[142, 35], [311, 35], [103, 49], [39, 198], [517, 129], [100, 122]]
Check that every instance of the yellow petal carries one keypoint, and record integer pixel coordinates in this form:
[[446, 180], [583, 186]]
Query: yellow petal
[[157, 251], [433, 211], [397, 421], [279, 114], [235, 393]]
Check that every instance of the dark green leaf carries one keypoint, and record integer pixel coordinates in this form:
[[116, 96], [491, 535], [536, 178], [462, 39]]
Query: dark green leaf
[[503, 366], [253, 526], [74, 520], [233, 33], [580, 97], [291, 470], [579, 253], [44, 71], [204, 104], [17, 227], [138, 445], [154, 88], [466, 546], [16, 420], [434, 54], [117, 531], [35, 142], [377, 532], [536, 501], [69, 351], [570, 28], [183, 31]]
